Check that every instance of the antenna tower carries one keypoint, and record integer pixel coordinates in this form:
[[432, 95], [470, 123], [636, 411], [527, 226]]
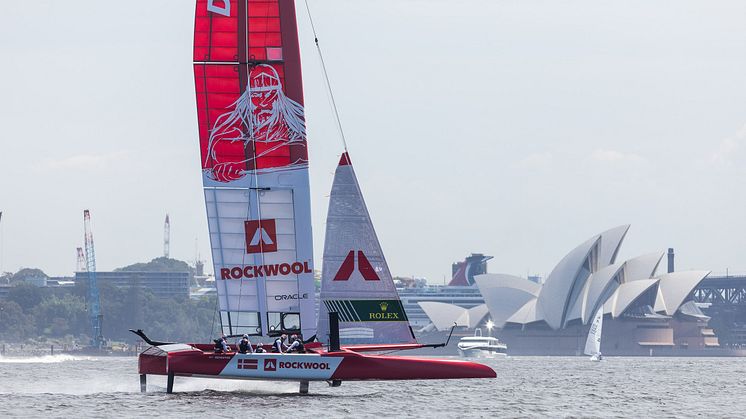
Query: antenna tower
[[166, 238]]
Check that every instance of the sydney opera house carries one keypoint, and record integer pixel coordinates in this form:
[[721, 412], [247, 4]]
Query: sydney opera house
[[644, 313]]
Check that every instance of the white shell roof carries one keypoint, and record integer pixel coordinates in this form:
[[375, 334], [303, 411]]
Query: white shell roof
[[674, 288], [626, 294], [505, 294], [642, 267], [576, 311], [599, 282], [475, 314], [554, 295], [444, 315], [529, 313], [611, 241]]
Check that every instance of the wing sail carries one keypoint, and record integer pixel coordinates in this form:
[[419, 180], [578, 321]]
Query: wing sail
[[356, 281], [255, 164]]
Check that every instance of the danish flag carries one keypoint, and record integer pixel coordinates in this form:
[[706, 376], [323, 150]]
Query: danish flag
[[247, 364], [261, 236], [363, 266]]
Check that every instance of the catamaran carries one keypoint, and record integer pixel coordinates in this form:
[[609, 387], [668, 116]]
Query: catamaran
[[593, 342], [255, 177]]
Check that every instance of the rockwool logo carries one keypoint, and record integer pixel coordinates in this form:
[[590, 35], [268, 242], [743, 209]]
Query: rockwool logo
[[363, 266], [270, 364], [261, 236], [305, 365]]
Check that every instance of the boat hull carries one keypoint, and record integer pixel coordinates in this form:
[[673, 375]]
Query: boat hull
[[316, 366], [480, 353]]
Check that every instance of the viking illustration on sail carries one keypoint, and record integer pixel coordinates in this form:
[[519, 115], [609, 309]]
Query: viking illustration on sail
[[262, 120]]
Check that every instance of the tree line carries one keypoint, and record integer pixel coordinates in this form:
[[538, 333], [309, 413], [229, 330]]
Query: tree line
[[61, 313]]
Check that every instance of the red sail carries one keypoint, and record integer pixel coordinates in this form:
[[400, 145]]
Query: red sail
[[240, 44]]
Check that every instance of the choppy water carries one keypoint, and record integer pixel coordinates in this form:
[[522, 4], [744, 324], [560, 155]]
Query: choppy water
[[67, 386]]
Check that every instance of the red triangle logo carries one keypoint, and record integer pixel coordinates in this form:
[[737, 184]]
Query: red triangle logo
[[363, 266], [344, 272]]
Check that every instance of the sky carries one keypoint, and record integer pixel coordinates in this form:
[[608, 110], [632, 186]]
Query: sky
[[514, 128]]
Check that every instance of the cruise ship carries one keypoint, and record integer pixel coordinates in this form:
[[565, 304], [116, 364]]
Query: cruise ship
[[461, 291]]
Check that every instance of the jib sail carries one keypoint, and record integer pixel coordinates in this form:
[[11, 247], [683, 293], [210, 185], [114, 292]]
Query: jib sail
[[255, 164], [356, 281]]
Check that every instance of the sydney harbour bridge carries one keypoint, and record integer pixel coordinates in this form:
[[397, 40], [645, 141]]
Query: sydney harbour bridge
[[723, 298]]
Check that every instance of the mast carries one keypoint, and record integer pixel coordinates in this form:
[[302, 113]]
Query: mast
[[255, 164], [94, 303]]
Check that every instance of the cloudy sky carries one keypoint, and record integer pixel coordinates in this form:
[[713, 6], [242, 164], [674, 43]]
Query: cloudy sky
[[514, 128]]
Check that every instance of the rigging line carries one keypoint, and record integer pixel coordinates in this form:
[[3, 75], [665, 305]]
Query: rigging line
[[212, 326], [326, 78]]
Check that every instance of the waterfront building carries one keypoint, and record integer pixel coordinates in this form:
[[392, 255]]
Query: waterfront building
[[173, 285], [646, 313]]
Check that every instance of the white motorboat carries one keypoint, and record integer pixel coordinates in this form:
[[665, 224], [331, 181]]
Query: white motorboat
[[479, 346]]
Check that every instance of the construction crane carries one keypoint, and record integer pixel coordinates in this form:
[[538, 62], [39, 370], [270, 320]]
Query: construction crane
[[166, 238], [94, 302], [81, 261]]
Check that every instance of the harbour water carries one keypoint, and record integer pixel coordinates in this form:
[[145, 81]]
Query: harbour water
[[68, 386]]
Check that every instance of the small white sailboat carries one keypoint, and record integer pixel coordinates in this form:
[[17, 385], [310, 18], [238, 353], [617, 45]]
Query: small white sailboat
[[593, 343]]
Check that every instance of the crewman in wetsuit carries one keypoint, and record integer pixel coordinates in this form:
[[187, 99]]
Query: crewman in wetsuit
[[279, 346], [221, 345], [244, 346], [218, 347], [296, 345]]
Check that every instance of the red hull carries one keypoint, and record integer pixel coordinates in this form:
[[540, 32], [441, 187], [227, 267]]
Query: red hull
[[317, 365]]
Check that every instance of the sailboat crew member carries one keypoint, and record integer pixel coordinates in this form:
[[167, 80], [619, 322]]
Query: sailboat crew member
[[244, 345], [221, 345], [279, 345], [296, 345], [260, 348]]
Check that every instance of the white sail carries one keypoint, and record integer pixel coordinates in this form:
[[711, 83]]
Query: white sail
[[593, 343], [262, 255], [356, 281]]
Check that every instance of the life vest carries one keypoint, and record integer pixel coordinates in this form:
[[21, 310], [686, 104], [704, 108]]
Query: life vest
[[277, 346], [218, 345], [243, 346]]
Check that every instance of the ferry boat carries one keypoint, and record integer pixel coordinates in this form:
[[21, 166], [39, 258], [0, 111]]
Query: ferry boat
[[479, 346]]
